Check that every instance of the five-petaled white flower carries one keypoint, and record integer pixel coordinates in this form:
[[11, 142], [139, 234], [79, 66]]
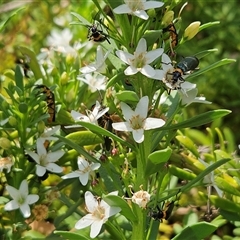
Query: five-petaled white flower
[[45, 160], [166, 74], [209, 179], [85, 170], [137, 7], [21, 199], [92, 116], [137, 121], [139, 62], [95, 81], [99, 212], [99, 65], [47, 134]]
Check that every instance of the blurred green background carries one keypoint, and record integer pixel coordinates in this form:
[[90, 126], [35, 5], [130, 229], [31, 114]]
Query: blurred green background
[[34, 22]]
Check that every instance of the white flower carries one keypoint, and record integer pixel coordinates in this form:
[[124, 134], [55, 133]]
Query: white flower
[[99, 65], [209, 179], [85, 170], [190, 97], [141, 198], [99, 212], [6, 163], [47, 134], [95, 81], [92, 116], [139, 62], [137, 7], [137, 121], [45, 160], [60, 42], [166, 75], [21, 199]]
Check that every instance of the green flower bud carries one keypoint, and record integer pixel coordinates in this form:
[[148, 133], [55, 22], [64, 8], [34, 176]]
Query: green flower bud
[[167, 18], [191, 30], [70, 59], [64, 78], [5, 143], [23, 107], [41, 127], [12, 121]]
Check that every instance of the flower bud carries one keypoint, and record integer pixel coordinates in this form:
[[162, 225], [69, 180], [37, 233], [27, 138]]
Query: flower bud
[[167, 18], [70, 59], [141, 198], [41, 127], [5, 143], [12, 121], [191, 30], [64, 78]]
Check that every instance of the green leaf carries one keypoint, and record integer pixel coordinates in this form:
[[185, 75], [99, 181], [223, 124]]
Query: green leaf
[[116, 78], [151, 36], [181, 173], [160, 156], [207, 25], [229, 215], [12, 15], [71, 235], [19, 78], [98, 130], [188, 143], [116, 201], [205, 53], [81, 19], [33, 62], [196, 231], [225, 204], [199, 120], [127, 96], [84, 138], [210, 67]]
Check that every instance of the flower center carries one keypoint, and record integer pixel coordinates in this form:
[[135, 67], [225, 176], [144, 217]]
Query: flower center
[[136, 122], [99, 212], [139, 60], [43, 160], [85, 169], [21, 200], [135, 5]]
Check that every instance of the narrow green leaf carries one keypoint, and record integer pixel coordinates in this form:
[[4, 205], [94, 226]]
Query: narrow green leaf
[[210, 67], [81, 19], [160, 156], [199, 120], [98, 130], [224, 204], [188, 143], [207, 25], [19, 78], [116, 201], [197, 231], [33, 62], [127, 96], [71, 235], [116, 78]]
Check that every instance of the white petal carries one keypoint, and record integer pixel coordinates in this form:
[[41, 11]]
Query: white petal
[[95, 166], [152, 4], [138, 135], [96, 228], [152, 123], [141, 47], [113, 211], [131, 70], [142, 107], [122, 126], [127, 111], [14, 193], [25, 209], [32, 198], [52, 167], [102, 112], [100, 55], [90, 201], [152, 55], [54, 156], [166, 59], [125, 56], [122, 9], [84, 178], [188, 85], [34, 155], [40, 170], [71, 175], [12, 205], [82, 163], [88, 69], [41, 150], [141, 14], [159, 74], [148, 71], [84, 222], [23, 189], [50, 131]]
